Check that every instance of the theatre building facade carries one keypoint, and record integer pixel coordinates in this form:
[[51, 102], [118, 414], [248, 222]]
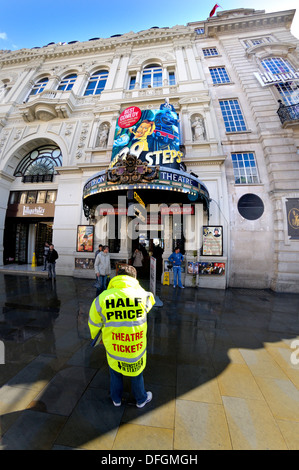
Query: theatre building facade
[[181, 136]]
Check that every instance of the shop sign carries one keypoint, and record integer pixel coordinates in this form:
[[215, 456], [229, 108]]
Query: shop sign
[[154, 138], [178, 178], [269, 78], [93, 185], [31, 210]]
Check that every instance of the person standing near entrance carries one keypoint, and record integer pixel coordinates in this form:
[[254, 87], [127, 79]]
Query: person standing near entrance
[[120, 315], [176, 258], [102, 268], [46, 251], [138, 261], [52, 256], [100, 248]]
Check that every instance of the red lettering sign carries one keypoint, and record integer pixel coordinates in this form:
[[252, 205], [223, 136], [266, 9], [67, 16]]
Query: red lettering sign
[[129, 117]]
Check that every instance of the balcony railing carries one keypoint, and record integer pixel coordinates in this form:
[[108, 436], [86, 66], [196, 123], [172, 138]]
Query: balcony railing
[[288, 114]]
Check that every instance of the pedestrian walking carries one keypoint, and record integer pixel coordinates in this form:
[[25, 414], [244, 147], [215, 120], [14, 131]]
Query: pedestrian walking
[[120, 315], [176, 259], [52, 256]]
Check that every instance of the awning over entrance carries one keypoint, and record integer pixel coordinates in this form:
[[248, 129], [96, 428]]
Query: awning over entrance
[[154, 185]]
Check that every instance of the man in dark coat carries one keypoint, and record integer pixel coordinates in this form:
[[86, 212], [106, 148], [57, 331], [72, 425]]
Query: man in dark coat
[[51, 259]]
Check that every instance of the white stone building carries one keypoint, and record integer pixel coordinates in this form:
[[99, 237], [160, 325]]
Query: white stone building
[[59, 109]]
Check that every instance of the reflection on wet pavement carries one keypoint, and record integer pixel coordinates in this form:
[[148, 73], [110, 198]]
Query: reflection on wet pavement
[[220, 367]]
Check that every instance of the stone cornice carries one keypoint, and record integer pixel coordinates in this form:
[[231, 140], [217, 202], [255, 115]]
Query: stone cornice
[[112, 44], [205, 160], [243, 20]]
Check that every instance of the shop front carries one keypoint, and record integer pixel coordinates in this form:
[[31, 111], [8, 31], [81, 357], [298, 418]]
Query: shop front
[[146, 199], [28, 225]]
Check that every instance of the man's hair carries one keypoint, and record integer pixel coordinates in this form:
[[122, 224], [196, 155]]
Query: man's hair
[[126, 270]]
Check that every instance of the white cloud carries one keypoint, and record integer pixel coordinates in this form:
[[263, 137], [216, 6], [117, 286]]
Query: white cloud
[[3, 36]]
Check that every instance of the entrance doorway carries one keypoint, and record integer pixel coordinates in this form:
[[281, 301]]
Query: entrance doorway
[[23, 238], [149, 247]]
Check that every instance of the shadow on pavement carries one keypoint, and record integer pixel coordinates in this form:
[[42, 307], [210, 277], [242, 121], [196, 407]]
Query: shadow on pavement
[[54, 386]]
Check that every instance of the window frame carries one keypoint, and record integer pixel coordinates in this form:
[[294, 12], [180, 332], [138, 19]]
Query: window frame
[[285, 89], [232, 110], [39, 86], [99, 79], [171, 78], [219, 75], [67, 82], [151, 72], [208, 52], [243, 165]]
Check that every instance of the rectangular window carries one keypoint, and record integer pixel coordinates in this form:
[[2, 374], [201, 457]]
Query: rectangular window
[[289, 92], [132, 83], [171, 76], [245, 169], [219, 75], [51, 197], [210, 51], [41, 197], [232, 116], [31, 197]]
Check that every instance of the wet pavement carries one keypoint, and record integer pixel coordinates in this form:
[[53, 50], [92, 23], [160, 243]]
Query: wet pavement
[[222, 366]]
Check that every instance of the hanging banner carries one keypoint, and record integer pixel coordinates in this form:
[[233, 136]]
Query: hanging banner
[[154, 137]]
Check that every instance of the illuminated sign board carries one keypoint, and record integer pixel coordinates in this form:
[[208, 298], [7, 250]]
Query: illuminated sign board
[[154, 138]]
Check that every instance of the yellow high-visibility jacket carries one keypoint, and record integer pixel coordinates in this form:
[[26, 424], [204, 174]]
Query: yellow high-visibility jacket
[[121, 313]]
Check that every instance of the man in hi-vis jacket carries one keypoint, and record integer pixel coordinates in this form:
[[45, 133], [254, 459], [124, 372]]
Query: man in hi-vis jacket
[[120, 315]]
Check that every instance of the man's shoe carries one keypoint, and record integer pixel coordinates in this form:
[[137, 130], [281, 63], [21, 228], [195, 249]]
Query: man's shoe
[[174, 287], [149, 398], [116, 404], [182, 287]]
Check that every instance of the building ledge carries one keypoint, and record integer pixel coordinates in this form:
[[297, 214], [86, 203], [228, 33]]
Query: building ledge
[[48, 105]]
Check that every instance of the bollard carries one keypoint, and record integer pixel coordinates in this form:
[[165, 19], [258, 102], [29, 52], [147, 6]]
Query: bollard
[[33, 263]]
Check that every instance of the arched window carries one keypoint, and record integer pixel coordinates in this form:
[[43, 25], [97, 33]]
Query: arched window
[[39, 164], [68, 82], [39, 86], [288, 90], [96, 83], [151, 76]]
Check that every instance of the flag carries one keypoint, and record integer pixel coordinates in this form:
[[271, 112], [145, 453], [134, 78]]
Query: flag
[[212, 12]]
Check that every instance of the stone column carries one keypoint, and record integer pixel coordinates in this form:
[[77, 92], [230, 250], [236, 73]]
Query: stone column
[[121, 74], [181, 68], [192, 63], [112, 73]]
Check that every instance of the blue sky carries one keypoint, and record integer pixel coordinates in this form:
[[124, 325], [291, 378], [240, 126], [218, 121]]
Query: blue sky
[[28, 23]]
